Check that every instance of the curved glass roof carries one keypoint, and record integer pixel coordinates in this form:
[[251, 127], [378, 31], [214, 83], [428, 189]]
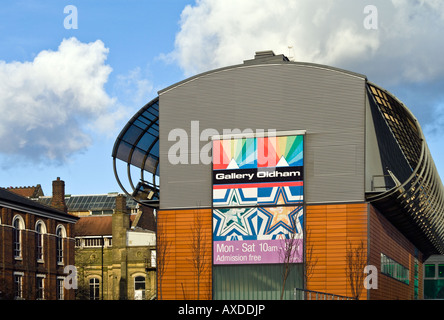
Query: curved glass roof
[[138, 145]]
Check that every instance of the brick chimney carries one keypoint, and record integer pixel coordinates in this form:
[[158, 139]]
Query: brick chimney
[[120, 222], [58, 195]]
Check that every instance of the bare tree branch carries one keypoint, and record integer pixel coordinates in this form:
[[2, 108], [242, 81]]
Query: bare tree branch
[[356, 257]]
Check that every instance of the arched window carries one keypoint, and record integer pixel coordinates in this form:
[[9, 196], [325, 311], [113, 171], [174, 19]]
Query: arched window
[[94, 289], [18, 225], [40, 230], [60, 235], [139, 288]]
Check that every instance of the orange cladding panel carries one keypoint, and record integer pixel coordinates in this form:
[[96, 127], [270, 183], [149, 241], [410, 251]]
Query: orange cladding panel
[[330, 230], [182, 237]]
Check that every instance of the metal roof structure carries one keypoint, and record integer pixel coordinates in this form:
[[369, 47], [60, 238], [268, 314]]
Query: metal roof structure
[[415, 201], [89, 202], [138, 146]]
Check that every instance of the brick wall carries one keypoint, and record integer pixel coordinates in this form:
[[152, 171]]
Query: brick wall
[[28, 264], [386, 239]]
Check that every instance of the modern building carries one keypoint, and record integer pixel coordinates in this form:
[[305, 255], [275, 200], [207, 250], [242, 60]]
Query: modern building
[[434, 278], [273, 165], [36, 247], [115, 251]]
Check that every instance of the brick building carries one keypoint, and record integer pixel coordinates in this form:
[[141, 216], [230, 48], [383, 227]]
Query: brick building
[[115, 246], [36, 246]]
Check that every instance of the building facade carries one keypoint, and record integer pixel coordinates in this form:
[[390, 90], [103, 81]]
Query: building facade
[[434, 278], [37, 248], [114, 247], [273, 165], [115, 254]]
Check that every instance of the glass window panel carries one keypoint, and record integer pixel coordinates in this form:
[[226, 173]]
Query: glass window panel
[[145, 121], [141, 124], [150, 164], [154, 130], [394, 269], [132, 134], [441, 270], [155, 150], [123, 151], [137, 158], [155, 109], [429, 270], [146, 141], [139, 283], [252, 282], [434, 289], [147, 114]]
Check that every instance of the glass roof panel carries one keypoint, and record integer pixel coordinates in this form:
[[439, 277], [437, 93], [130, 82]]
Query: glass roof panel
[[132, 134], [138, 145]]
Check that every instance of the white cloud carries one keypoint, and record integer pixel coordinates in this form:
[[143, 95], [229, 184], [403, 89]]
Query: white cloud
[[404, 54], [405, 47], [132, 88], [50, 106]]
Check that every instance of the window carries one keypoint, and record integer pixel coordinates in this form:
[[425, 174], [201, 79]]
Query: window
[[93, 242], [434, 281], [416, 280], [60, 234], [153, 258], [60, 289], [40, 287], [18, 285], [393, 269], [139, 288], [40, 231], [18, 225], [440, 270], [429, 271], [94, 289]]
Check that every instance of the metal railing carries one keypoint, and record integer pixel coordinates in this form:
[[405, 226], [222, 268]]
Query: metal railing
[[303, 294]]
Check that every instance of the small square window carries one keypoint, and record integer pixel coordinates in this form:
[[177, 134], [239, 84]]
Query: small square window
[[429, 270]]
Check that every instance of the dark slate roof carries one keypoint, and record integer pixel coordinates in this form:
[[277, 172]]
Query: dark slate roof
[[14, 201]]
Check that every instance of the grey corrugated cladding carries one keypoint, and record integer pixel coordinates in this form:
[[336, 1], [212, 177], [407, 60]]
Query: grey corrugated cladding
[[328, 103]]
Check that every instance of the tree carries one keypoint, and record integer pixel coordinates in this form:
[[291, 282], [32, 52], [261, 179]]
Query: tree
[[356, 259], [162, 250], [310, 259], [199, 250], [290, 253]]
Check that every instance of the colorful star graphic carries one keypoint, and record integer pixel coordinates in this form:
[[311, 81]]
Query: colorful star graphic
[[281, 218], [234, 221]]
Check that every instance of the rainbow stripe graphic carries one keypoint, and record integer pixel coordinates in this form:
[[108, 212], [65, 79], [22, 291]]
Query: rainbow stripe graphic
[[257, 198], [258, 152], [245, 157]]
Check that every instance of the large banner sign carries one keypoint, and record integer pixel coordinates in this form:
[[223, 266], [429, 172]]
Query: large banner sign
[[257, 199]]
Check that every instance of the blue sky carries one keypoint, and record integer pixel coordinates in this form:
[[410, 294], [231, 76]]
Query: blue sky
[[55, 82], [135, 32]]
